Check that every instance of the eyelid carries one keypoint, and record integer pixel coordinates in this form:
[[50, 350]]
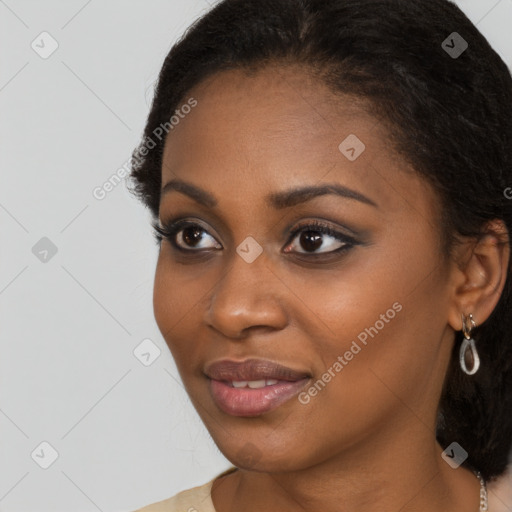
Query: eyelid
[[191, 218], [325, 224], [345, 230]]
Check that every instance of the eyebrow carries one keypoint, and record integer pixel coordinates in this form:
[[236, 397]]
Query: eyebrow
[[277, 200]]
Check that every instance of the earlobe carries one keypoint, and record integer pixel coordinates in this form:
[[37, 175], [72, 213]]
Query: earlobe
[[481, 278]]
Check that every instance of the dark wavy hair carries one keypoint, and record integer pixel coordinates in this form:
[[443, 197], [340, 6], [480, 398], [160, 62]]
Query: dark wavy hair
[[451, 118]]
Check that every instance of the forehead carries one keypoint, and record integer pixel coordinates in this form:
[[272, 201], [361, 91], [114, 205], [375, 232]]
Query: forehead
[[279, 127], [273, 108]]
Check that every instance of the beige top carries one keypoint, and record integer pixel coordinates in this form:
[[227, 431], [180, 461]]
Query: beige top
[[197, 499]]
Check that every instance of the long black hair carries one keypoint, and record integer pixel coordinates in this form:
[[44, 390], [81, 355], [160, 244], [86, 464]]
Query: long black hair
[[447, 100]]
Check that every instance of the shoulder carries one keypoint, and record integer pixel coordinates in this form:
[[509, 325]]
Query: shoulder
[[196, 499], [500, 492], [192, 500]]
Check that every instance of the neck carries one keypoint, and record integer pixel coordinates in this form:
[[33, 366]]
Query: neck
[[379, 477]]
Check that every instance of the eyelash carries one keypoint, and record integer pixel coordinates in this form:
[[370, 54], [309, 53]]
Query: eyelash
[[171, 229]]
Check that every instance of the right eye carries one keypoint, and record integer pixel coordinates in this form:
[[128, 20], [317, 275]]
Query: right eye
[[185, 234]]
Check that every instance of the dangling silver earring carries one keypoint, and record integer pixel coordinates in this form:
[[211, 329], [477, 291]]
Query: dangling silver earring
[[468, 343]]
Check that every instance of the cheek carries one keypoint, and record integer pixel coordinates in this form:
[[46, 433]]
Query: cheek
[[381, 334], [174, 300], [180, 297], [377, 297], [178, 289], [164, 297]]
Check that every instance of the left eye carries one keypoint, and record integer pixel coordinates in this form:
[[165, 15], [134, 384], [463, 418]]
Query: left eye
[[313, 237]]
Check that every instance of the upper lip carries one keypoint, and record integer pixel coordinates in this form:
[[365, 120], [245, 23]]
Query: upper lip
[[251, 369]]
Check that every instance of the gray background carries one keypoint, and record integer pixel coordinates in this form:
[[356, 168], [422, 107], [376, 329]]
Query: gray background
[[125, 433]]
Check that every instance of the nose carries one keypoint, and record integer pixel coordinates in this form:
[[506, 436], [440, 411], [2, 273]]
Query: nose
[[248, 296]]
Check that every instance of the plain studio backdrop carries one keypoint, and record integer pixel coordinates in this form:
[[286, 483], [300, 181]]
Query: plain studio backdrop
[[93, 415]]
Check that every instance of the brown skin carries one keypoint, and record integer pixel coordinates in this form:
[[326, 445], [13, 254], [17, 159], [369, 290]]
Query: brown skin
[[367, 440]]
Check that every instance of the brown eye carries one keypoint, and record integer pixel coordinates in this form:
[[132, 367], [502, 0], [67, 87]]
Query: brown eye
[[191, 236], [186, 236], [317, 239], [312, 240]]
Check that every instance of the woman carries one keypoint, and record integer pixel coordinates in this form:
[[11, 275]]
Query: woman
[[330, 184]]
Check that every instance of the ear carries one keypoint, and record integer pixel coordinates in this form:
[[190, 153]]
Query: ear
[[480, 275]]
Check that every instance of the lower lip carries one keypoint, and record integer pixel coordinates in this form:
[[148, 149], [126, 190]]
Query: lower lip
[[253, 402]]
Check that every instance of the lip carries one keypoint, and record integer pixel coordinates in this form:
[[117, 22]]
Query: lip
[[248, 401], [252, 369]]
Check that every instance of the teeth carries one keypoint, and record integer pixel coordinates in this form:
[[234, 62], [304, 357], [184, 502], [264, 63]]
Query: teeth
[[254, 384]]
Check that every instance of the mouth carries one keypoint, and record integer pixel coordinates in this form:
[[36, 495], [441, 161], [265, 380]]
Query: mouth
[[253, 384], [253, 387], [252, 370]]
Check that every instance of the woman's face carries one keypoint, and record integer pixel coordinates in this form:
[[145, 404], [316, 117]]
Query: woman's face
[[359, 312]]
